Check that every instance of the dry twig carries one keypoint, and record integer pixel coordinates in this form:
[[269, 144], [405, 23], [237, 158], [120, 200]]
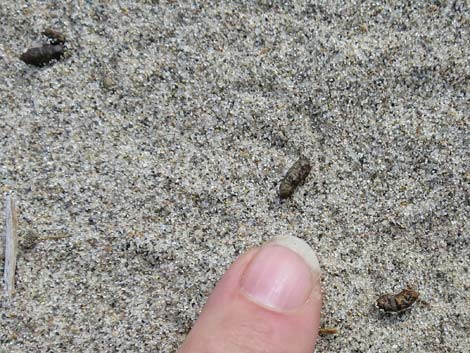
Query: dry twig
[[328, 331], [11, 245]]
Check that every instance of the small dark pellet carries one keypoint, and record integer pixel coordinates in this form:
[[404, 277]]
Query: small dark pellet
[[43, 55], [395, 303], [295, 176]]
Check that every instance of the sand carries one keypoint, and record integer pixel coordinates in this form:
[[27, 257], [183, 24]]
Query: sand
[[149, 158]]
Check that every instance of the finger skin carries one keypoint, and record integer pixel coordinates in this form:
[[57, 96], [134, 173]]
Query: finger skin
[[231, 322]]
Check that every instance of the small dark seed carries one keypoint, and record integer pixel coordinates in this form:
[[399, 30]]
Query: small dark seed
[[295, 176]]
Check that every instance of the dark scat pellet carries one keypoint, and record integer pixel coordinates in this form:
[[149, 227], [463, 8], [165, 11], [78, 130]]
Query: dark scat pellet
[[55, 36], [43, 55], [295, 176], [395, 303]]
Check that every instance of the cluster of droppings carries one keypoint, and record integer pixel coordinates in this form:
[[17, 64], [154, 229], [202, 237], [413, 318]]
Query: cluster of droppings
[[54, 50], [183, 148]]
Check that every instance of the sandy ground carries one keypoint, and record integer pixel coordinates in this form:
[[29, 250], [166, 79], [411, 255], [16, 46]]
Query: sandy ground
[[149, 158]]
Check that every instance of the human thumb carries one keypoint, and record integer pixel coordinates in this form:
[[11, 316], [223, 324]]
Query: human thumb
[[268, 301]]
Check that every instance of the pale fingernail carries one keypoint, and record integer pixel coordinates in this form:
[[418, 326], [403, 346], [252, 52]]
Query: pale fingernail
[[282, 275]]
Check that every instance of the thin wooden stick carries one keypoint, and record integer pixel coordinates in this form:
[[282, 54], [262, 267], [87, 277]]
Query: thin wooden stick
[[11, 246]]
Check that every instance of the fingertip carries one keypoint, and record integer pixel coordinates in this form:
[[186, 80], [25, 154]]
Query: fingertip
[[301, 248], [270, 296]]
